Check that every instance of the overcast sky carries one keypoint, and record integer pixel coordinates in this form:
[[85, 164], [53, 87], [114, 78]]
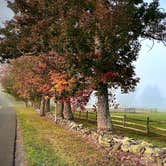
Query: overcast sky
[[150, 67], [5, 13]]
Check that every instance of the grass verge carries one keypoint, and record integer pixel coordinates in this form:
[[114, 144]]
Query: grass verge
[[46, 144]]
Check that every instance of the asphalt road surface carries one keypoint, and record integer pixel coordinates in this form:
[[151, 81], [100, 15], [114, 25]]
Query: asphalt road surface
[[7, 136]]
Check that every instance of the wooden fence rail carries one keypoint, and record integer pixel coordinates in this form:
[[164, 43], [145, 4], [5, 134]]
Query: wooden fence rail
[[127, 122]]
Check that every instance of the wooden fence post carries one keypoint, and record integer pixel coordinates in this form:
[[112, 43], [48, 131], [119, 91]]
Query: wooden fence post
[[87, 115], [147, 125], [124, 120]]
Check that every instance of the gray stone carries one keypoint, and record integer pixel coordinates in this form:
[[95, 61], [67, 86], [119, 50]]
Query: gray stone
[[164, 161], [131, 141], [151, 151], [117, 140], [65, 122], [126, 144], [137, 148], [94, 135], [116, 147], [86, 131], [105, 140], [81, 126], [125, 147], [73, 126], [163, 152], [146, 144], [159, 161]]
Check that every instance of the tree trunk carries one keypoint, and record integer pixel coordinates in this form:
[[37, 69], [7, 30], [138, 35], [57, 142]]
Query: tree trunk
[[38, 104], [32, 104], [26, 103], [42, 107], [103, 114], [47, 105], [59, 110], [67, 113]]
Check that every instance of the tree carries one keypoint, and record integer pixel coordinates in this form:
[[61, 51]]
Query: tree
[[101, 41], [98, 40], [63, 88], [32, 21]]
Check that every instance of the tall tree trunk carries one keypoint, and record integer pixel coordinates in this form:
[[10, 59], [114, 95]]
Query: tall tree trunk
[[103, 114], [59, 110], [33, 104], [38, 104], [26, 103], [47, 105], [67, 113], [42, 107]]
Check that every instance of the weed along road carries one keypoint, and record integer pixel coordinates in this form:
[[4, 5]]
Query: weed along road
[[7, 136]]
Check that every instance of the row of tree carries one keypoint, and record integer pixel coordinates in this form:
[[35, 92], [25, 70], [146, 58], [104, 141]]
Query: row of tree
[[37, 79], [70, 48]]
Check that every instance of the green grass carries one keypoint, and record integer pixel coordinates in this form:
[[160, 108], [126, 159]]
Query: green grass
[[48, 144], [153, 137], [153, 116]]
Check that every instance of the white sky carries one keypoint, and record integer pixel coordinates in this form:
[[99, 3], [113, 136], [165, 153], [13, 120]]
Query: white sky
[[151, 66], [5, 13]]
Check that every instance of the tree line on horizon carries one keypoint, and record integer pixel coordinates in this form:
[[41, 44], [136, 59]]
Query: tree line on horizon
[[65, 50]]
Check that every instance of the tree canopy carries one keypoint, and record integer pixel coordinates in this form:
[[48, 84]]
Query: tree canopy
[[98, 41]]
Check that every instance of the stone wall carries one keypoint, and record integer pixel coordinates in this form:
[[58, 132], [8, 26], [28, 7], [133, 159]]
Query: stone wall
[[113, 143]]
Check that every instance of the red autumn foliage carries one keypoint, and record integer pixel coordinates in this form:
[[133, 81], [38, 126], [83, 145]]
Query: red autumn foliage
[[107, 76], [81, 99]]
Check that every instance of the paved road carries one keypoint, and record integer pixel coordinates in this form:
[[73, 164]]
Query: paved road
[[7, 136]]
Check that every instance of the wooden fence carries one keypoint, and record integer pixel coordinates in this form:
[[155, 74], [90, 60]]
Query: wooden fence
[[140, 125]]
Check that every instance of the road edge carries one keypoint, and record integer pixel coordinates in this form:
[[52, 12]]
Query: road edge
[[19, 155]]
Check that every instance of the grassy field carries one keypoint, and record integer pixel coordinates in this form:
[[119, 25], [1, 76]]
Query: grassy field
[[48, 144], [154, 116], [155, 136]]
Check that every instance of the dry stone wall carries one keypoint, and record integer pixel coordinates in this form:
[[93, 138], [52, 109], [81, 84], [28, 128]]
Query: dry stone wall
[[114, 143]]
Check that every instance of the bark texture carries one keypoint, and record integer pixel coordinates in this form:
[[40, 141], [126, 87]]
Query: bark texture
[[47, 105], [59, 110], [42, 107], [36, 104], [67, 112], [26, 103], [103, 114]]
